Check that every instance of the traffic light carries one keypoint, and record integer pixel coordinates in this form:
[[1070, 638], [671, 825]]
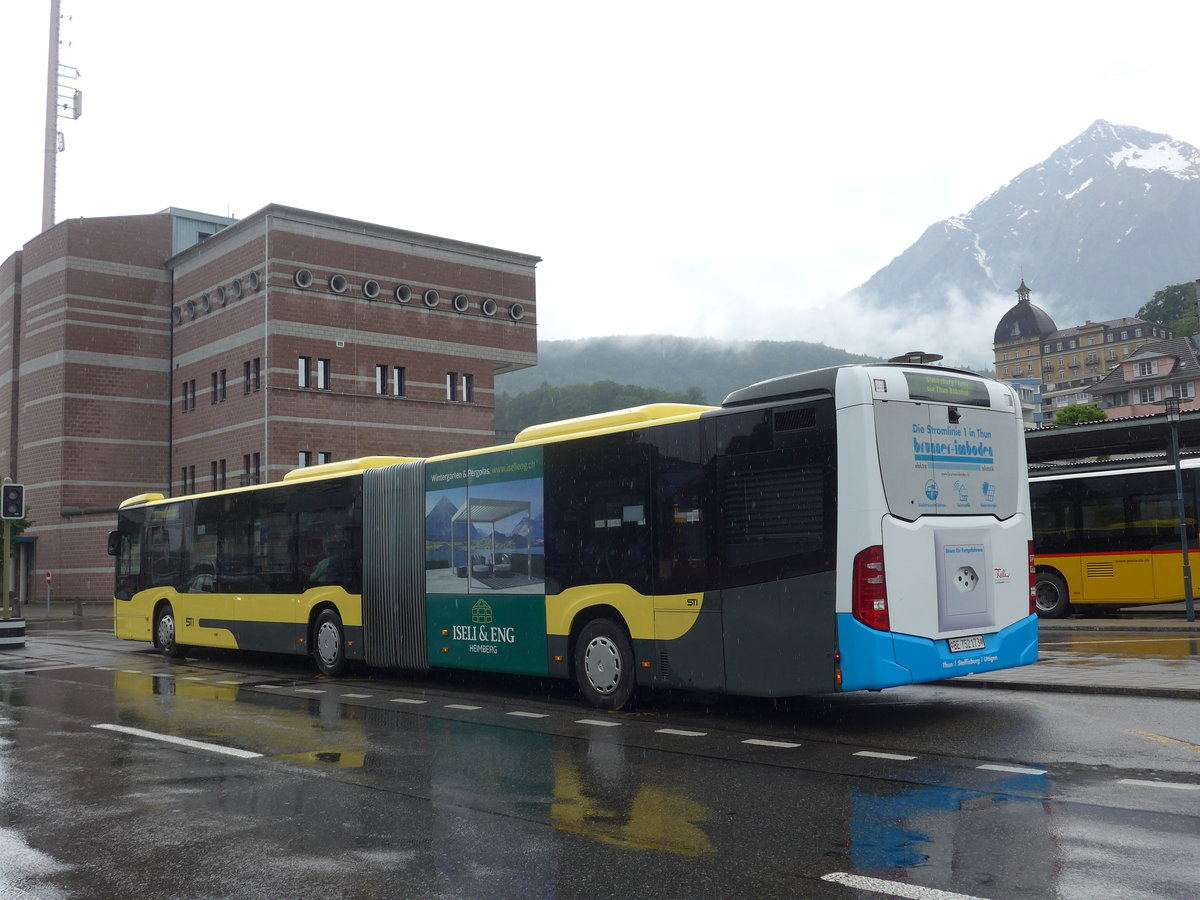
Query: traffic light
[[12, 501]]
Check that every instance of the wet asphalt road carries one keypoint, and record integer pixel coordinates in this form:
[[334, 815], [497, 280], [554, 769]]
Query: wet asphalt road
[[455, 786]]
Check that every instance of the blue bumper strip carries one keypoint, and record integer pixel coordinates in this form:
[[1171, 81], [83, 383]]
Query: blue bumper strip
[[878, 659]]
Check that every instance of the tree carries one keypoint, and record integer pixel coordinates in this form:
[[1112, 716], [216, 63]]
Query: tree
[[1079, 414], [1175, 307]]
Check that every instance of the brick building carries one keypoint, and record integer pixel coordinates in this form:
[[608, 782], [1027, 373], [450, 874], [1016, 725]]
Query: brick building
[[180, 352]]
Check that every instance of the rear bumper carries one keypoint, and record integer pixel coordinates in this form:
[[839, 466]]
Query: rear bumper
[[877, 659]]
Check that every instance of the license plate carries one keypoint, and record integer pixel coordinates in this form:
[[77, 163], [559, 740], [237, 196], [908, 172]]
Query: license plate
[[974, 642]]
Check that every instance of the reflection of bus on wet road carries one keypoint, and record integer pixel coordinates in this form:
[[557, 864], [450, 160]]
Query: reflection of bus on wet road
[[850, 528], [1108, 535]]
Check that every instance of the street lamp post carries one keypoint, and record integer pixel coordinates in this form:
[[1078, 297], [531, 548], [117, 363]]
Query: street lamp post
[[1172, 408]]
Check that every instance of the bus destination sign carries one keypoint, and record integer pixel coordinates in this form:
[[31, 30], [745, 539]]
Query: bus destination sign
[[947, 389]]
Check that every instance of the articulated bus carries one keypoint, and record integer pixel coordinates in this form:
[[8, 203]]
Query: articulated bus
[[1108, 535], [850, 528]]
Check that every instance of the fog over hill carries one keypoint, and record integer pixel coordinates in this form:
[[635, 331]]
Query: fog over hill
[[671, 363]]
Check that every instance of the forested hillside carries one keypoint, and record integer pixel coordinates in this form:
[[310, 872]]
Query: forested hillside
[[671, 364]]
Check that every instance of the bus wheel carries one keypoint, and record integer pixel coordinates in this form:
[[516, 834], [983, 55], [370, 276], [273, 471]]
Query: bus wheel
[[329, 643], [1050, 596], [604, 664], [164, 633]]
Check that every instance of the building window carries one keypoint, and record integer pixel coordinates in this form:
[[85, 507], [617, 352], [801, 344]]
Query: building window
[[381, 379], [1006, 374], [1147, 368], [305, 458], [257, 373], [451, 386], [184, 395], [324, 375], [1046, 349], [1147, 395], [1109, 337], [304, 371], [468, 388], [1137, 333], [246, 377], [187, 481], [221, 384], [398, 386], [1004, 357], [1125, 335], [214, 387], [251, 468], [218, 475], [1120, 398], [324, 456], [1183, 391]]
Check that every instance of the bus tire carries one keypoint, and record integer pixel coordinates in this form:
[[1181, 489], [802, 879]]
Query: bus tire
[[165, 637], [1050, 596], [604, 664], [329, 643]]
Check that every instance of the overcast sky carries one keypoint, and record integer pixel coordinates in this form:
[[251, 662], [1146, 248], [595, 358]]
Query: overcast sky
[[690, 168]]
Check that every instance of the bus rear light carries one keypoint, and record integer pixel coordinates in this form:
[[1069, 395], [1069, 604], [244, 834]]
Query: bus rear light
[[869, 596], [1032, 582]]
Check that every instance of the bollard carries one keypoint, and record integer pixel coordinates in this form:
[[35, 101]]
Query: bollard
[[78, 607]]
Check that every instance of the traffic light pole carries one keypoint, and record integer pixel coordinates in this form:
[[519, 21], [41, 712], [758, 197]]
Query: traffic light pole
[[8, 580]]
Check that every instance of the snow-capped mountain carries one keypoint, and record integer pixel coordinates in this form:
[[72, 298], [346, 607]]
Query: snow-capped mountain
[[1095, 230]]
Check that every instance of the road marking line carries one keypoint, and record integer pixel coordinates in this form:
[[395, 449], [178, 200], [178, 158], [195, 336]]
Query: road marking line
[[1163, 784], [893, 888], [460, 706], [310, 691], [761, 743], [529, 715], [407, 700], [1018, 770], [1162, 739], [194, 678], [275, 687], [358, 696], [234, 683], [875, 754], [183, 742], [601, 722], [680, 733]]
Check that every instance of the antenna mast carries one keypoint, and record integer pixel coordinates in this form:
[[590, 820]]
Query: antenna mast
[[71, 104]]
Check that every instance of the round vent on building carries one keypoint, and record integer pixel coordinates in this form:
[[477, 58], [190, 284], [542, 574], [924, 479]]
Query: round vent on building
[[177, 317], [255, 283], [190, 306], [238, 291], [517, 311], [431, 298], [370, 288], [461, 302], [403, 293], [205, 303], [488, 306], [304, 278], [338, 284], [222, 298]]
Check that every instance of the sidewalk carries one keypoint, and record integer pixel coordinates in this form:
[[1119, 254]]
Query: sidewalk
[[1158, 674]]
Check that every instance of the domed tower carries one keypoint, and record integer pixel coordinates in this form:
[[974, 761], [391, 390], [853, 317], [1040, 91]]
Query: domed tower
[[1018, 339]]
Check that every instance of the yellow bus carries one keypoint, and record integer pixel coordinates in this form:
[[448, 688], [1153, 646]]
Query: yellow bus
[[1108, 535], [851, 528]]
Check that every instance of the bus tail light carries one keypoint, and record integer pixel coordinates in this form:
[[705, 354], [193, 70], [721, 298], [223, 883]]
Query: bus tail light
[[1032, 582], [869, 597]]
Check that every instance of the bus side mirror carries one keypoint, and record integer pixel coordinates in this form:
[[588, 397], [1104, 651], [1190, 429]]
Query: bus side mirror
[[114, 543]]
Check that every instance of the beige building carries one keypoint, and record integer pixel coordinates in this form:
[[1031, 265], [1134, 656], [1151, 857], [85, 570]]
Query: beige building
[[1062, 365]]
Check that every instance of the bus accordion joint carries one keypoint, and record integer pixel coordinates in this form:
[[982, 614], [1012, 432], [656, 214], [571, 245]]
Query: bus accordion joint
[[1032, 582], [869, 598]]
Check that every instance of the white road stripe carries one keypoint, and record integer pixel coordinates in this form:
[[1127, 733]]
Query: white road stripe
[[364, 696], [407, 700], [875, 754], [680, 733], [893, 888], [310, 691], [461, 706], [601, 722], [1163, 784], [758, 742], [234, 683], [1016, 770], [529, 715], [183, 742]]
